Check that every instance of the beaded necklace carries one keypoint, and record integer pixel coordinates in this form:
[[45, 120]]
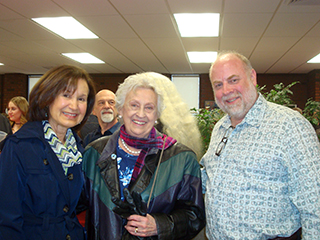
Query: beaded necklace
[[127, 148]]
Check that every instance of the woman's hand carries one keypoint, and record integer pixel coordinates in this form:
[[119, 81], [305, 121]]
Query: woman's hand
[[141, 226]]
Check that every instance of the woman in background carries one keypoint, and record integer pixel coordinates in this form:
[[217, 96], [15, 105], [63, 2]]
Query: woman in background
[[40, 165], [17, 111]]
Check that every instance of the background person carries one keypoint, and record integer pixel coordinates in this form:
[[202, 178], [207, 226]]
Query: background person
[[40, 165], [5, 124], [104, 109], [5, 129], [17, 111], [91, 125], [121, 169], [261, 171]]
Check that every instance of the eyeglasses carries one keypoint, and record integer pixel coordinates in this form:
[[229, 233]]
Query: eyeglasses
[[224, 141]]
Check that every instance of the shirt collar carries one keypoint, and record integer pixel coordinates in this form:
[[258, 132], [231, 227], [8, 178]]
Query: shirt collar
[[115, 127], [254, 115]]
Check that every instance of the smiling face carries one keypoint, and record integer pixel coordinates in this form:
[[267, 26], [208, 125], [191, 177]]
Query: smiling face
[[14, 112], [234, 89], [139, 112], [68, 109]]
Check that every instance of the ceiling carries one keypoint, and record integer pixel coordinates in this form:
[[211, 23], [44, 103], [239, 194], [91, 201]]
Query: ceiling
[[142, 35]]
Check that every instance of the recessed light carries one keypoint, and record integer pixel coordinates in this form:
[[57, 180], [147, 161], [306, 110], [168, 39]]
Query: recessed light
[[66, 27], [85, 58], [198, 24]]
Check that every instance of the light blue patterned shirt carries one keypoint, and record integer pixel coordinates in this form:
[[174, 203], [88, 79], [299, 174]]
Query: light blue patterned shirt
[[265, 183]]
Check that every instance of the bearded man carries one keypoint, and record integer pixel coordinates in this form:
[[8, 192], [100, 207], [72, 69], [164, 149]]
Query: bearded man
[[261, 171], [104, 109]]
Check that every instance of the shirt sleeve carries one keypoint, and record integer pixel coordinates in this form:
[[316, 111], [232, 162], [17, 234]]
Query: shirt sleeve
[[302, 151]]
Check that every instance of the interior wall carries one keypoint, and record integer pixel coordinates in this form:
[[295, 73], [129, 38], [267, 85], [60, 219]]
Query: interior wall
[[300, 90], [14, 84], [309, 85]]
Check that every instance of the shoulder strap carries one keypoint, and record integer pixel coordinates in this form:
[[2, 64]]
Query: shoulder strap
[[155, 175]]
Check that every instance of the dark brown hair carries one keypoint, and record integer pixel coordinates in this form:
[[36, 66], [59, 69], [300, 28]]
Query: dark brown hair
[[51, 84]]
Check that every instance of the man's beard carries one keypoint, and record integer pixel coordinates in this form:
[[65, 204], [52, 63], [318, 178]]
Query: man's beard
[[107, 117], [241, 109]]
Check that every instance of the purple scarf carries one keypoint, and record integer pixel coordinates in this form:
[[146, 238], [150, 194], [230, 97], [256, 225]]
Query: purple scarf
[[145, 144]]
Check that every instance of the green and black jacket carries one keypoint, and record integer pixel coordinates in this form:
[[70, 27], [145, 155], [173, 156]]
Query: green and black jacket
[[176, 202]]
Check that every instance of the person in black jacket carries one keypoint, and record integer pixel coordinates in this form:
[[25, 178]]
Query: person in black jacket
[[5, 124], [107, 115]]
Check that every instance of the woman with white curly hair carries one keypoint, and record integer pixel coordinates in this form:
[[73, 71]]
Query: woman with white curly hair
[[142, 183]]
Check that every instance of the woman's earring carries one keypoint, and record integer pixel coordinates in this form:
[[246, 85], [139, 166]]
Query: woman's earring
[[120, 116], [46, 109], [156, 122]]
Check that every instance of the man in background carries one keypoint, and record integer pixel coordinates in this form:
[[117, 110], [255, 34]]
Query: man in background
[[5, 124], [262, 169], [91, 125], [5, 129], [104, 109]]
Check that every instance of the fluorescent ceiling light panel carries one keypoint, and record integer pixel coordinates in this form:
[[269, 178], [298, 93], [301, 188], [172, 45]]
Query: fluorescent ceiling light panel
[[66, 27], [202, 57], [198, 24], [1, 64], [316, 59], [85, 58]]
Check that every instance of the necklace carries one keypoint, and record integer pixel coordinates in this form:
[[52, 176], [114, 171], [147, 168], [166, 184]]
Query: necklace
[[127, 148]]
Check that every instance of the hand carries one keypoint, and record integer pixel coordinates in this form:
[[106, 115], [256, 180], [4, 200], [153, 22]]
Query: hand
[[133, 204], [141, 226]]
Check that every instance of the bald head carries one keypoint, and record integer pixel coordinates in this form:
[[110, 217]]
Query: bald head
[[105, 92], [104, 107]]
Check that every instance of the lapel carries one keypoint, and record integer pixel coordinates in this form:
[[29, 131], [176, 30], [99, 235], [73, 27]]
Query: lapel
[[146, 173], [57, 170], [35, 130], [109, 173]]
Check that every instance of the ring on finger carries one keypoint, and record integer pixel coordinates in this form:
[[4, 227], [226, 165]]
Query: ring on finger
[[136, 230]]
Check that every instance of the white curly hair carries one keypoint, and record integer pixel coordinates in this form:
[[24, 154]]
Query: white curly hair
[[173, 112]]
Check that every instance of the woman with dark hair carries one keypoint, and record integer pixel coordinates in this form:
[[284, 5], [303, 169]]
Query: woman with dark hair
[[17, 111], [40, 165]]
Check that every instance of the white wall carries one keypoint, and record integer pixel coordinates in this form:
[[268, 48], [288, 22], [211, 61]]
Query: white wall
[[188, 87], [32, 81]]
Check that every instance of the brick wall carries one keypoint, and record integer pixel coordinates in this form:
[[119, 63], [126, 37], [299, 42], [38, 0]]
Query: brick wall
[[314, 82], [206, 92], [108, 81], [300, 91], [1, 92], [317, 91], [13, 84], [17, 85]]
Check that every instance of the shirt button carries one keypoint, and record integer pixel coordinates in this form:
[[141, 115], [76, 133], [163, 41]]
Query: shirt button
[[70, 176], [45, 161], [68, 237], [66, 209]]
